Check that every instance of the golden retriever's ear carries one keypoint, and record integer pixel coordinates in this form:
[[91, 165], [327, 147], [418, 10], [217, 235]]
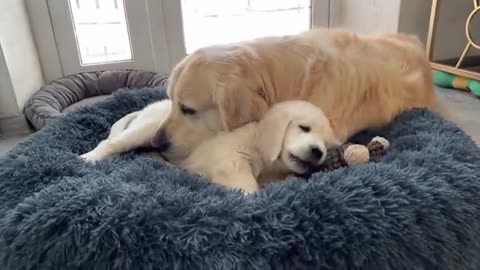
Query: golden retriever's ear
[[172, 79], [271, 134], [240, 105]]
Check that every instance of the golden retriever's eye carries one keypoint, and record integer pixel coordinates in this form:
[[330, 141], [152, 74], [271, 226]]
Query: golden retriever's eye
[[304, 128], [186, 110]]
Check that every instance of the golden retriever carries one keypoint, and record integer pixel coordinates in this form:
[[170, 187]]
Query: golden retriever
[[292, 137], [359, 81]]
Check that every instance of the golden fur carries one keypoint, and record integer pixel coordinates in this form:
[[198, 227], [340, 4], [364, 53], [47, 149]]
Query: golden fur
[[358, 81]]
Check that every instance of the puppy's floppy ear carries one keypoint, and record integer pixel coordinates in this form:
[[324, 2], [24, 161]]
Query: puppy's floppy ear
[[271, 132], [240, 102]]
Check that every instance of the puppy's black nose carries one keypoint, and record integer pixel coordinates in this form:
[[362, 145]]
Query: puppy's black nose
[[160, 141], [316, 152]]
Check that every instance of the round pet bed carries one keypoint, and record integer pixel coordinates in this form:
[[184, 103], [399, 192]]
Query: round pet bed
[[71, 92], [418, 207]]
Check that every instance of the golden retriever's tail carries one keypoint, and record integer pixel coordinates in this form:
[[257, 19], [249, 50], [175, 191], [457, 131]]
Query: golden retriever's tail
[[122, 124]]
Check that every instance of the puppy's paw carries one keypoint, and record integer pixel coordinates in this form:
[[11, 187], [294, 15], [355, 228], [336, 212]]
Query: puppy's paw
[[90, 157], [249, 190], [246, 192]]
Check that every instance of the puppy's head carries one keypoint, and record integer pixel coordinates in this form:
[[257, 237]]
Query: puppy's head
[[211, 91], [295, 135]]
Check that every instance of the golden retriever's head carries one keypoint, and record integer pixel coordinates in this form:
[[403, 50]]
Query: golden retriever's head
[[295, 135], [211, 90]]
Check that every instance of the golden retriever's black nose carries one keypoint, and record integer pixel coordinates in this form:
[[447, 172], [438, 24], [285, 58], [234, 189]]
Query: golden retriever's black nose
[[316, 152], [160, 141]]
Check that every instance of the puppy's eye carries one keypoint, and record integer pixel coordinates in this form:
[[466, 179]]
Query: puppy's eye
[[304, 128], [186, 110]]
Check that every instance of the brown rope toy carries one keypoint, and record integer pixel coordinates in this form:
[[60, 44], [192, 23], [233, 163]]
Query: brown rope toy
[[355, 154]]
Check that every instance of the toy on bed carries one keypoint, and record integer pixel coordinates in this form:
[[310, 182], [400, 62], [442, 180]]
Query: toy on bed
[[355, 154], [447, 80]]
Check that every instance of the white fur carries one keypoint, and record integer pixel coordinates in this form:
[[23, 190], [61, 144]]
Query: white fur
[[132, 131]]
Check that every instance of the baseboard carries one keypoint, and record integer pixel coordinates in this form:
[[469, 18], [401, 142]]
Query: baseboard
[[469, 61], [15, 125]]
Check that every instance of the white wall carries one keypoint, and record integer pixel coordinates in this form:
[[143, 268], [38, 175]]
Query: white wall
[[364, 16], [20, 57], [409, 16], [8, 101], [451, 39]]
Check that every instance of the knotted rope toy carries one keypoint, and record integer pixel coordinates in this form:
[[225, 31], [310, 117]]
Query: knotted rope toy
[[355, 154]]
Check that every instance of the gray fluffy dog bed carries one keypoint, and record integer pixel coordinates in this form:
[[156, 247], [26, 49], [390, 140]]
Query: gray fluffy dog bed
[[75, 91], [416, 208]]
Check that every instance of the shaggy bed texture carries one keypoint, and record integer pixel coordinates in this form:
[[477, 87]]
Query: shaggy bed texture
[[418, 207]]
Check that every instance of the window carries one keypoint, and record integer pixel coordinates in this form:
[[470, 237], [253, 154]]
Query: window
[[210, 22], [87, 35], [101, 31]]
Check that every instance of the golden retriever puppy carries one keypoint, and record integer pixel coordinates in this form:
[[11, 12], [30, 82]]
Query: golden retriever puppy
[[359, 81], [132, 131], [293, 137]]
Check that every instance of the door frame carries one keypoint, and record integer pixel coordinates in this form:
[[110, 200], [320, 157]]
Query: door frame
[[139, 37], [322, 13], [49, 53]]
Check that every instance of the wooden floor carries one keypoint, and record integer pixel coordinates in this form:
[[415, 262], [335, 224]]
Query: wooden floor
[[465, 106]]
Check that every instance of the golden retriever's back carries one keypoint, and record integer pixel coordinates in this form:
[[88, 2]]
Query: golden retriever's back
[[359, 81]]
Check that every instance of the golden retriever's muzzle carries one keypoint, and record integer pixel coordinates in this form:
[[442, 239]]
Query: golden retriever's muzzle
[[161, 141]]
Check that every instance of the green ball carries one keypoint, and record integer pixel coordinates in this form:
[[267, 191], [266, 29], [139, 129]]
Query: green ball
[[474, 87]]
